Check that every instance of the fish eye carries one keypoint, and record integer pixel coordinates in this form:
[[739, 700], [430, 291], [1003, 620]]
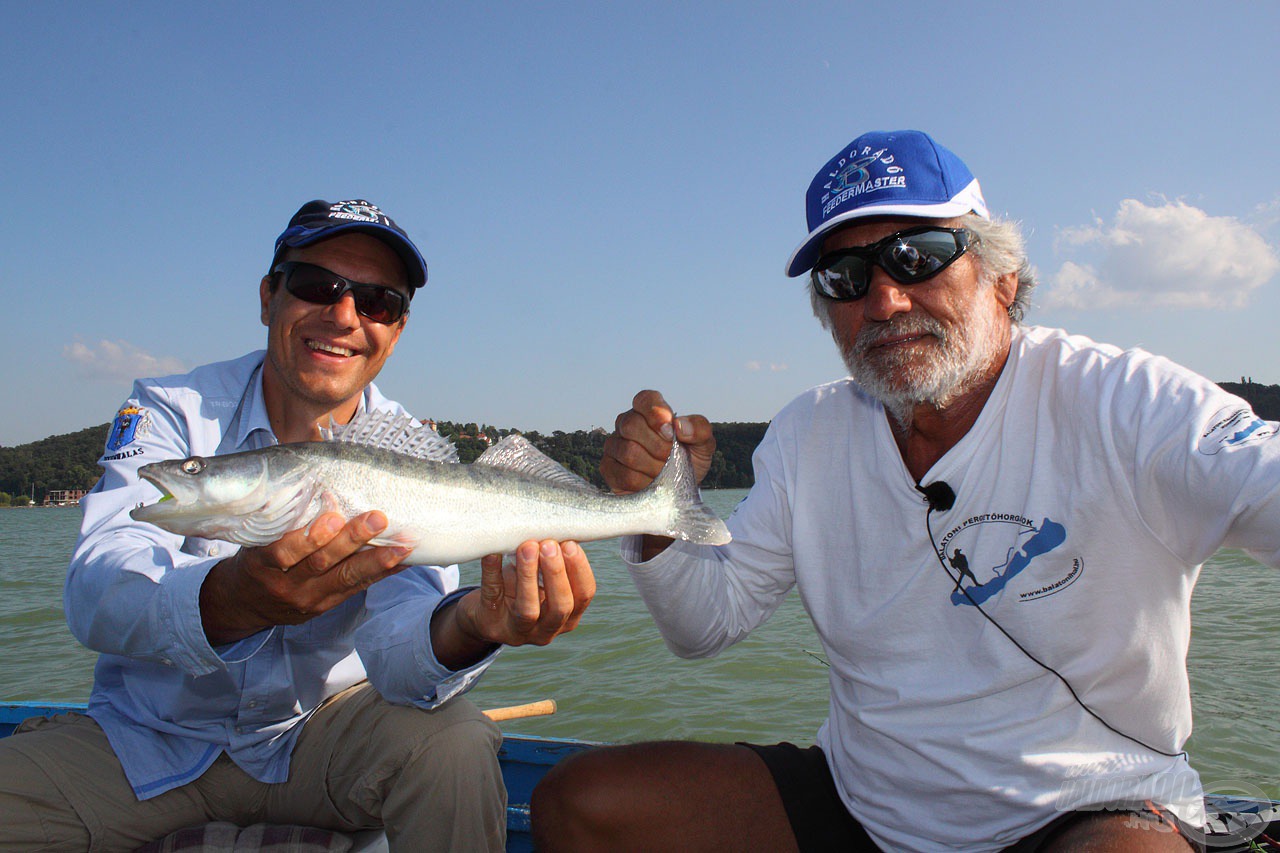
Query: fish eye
[[194, 465]]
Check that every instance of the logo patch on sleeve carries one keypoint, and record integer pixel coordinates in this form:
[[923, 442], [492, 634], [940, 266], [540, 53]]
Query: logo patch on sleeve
[[1233, 426], [131, 423]]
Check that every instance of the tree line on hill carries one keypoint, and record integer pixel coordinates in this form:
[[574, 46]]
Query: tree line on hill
[[69, 461]]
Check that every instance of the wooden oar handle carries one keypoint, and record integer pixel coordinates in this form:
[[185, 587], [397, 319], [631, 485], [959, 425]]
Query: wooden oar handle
[[532, 709]]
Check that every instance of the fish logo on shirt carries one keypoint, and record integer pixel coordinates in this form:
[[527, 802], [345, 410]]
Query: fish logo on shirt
[[1028, 562], [1233, 426]]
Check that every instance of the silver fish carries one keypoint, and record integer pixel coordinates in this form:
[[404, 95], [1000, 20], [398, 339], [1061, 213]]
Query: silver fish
[[447, 512]]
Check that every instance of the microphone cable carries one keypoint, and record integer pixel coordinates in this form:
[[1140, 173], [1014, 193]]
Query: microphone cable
[[942, 499]]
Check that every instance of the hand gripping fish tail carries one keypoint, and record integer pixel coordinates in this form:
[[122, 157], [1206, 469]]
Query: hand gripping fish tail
[[691, 520]]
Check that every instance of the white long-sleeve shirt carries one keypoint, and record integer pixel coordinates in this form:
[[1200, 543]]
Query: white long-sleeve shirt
[[1090, 490]]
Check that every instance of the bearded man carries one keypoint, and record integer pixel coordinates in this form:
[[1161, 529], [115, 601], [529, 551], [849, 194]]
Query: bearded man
[[1043, 703]]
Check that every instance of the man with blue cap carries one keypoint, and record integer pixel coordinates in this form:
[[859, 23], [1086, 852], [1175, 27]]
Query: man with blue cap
[[995, 529], [313, 681]]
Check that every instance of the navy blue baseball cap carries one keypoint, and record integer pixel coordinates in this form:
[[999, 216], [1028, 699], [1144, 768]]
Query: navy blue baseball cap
[[319, 220], [885, 173]]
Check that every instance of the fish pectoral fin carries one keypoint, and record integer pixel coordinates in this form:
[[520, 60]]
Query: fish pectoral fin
[[329, 502], [399, 539]]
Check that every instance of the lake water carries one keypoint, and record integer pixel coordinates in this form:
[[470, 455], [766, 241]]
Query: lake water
[[615, 681]]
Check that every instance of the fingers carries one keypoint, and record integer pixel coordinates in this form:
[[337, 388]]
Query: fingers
[[527, 604], [662, 423], [582, 581], [636, 451], [491, 586], [308, 572], [641, 442], [541, 594], [336, 541]]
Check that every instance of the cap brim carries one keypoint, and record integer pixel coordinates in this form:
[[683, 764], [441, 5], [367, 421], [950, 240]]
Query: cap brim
[[415, 265], [807, 253]]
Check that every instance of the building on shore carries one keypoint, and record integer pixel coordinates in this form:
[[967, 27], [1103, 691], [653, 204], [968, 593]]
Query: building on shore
[[64, 497]]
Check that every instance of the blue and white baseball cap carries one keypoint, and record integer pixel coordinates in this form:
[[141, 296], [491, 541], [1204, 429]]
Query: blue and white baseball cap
[[885, 173], [319, 220]]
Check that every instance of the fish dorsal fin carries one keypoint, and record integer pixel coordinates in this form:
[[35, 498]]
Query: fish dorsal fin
[[398, 433], [514, 453]]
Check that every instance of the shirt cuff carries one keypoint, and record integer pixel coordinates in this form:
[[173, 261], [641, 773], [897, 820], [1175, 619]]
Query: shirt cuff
[[450, 683], [631, 548], [180, 616]]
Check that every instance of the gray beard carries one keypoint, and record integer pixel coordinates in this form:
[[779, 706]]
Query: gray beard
[[902, 380]]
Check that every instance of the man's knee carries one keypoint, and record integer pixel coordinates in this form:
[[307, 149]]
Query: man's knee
[[455, 732], [440, 783], [665, 795], [1127, 831], [576, 805], [34, 813], [453, 746]]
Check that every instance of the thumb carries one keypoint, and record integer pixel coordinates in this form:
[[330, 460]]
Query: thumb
[[491, 590]]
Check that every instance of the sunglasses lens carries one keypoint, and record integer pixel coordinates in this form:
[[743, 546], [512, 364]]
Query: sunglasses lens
[[313, 284], [845, 277], [915, 257], [908, 257], [380, 304], [319, 286]]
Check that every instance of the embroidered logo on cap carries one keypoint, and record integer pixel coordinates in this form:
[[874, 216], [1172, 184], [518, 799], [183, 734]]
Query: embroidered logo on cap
[[360, 211], [852, 177]]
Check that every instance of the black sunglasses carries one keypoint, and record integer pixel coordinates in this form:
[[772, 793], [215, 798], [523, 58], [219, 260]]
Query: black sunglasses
[[909, 256], [320, 286]]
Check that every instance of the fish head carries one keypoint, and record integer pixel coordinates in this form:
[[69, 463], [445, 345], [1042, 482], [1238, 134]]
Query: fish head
[[202, 496]]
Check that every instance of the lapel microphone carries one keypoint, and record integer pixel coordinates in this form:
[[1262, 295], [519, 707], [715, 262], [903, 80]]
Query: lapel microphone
[[938, 494]]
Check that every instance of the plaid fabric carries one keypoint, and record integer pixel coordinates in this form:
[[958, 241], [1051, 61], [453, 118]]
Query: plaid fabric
[[223, 837]]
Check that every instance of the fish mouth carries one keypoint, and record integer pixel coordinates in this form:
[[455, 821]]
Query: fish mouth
[[172, 495], [153, 477]]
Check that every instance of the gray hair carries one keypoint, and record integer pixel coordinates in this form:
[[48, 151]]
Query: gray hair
[[999, 249]]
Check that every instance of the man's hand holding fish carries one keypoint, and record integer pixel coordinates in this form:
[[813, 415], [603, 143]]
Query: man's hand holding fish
[[540, 594], [296, 578]]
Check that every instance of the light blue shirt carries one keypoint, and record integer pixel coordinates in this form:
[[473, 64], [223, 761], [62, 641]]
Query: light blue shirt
[[169, 702]]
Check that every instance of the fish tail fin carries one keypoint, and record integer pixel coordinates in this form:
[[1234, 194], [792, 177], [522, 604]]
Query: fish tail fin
[[691, 519]]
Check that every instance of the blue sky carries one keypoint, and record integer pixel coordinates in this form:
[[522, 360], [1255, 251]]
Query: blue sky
[[605, 192]]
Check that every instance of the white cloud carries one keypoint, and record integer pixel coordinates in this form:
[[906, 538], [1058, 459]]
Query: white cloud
[[772, 367], [1170, 255], [118, 361], [1267, 215]]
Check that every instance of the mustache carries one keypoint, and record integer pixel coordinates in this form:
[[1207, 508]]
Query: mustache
[[877, 331]]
